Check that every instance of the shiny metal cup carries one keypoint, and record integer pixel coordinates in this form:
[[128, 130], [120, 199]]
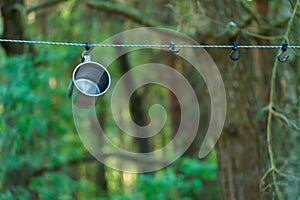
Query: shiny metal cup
[[90, 80]]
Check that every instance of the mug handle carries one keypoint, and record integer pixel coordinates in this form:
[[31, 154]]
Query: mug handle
[[70, 89]]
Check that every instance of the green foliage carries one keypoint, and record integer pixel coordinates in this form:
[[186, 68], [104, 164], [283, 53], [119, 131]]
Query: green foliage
[[204, 169], [183, 180], [35, 125], [54, 186], [158, 186]]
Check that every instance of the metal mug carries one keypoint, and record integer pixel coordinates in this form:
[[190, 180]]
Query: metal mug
[[90, 80]]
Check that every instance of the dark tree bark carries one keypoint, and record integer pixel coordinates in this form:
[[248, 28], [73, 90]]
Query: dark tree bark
[[174, 107], [137, 109], [102, 185], [14, 16], [239, 152], [240, 148]]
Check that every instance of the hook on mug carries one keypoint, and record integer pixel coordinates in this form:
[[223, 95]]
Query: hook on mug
[[87, 47]]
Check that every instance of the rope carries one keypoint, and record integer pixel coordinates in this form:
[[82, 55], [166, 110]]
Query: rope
[[33, 42]]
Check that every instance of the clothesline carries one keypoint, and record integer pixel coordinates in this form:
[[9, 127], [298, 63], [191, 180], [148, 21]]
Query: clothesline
[[34, 42]]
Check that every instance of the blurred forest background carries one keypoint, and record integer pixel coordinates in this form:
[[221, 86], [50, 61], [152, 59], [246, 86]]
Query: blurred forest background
[[257, 156]]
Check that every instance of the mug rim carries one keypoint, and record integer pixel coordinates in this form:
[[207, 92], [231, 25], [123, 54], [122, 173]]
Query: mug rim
[[98, 64]]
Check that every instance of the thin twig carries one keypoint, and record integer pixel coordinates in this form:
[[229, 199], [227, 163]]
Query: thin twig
[[286, 175], [262, 36], [288, 122], [264, 177]]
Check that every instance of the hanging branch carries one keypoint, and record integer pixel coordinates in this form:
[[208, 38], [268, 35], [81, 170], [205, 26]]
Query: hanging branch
[[44, 5], [89, 158], [273, 170], [73, 162], [127, 12]]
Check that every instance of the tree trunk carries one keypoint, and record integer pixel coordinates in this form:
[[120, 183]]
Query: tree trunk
[[14, 16], [137, 110], [174, 107], [101, 181], [239, 152]]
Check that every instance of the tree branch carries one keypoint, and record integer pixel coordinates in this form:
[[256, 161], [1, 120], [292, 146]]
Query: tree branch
[[89, 158], [126, 12], [59, 166], [44, 5]]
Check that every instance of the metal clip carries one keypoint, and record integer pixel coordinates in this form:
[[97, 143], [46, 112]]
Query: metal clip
[[234, 49], [172, 47], [283, 49]]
